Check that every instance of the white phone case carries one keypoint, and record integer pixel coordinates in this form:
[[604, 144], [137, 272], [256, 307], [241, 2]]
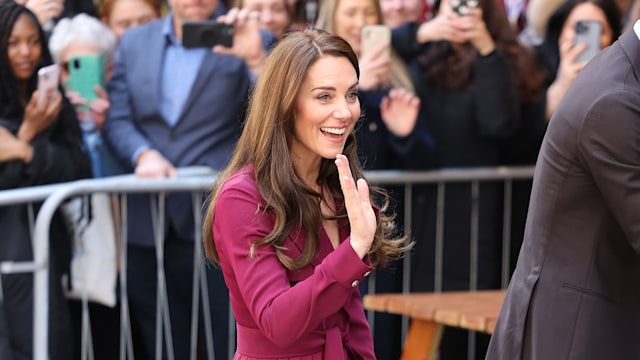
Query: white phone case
[[372, 37], [48, 78]]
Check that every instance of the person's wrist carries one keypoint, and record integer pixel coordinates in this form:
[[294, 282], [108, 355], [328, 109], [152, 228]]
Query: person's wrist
[[145, 154], [423, 34], [26, 133], [25, 152], [486, 48], [360, 249], [256, 62]]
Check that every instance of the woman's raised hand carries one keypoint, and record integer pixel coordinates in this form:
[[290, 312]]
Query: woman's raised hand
[[362, 218], [38, 117], [399, 111]]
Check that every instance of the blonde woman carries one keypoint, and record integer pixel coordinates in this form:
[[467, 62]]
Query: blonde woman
[[390, 135]]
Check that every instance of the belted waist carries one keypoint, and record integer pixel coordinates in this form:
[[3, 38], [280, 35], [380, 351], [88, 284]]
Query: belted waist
[[251, 342]]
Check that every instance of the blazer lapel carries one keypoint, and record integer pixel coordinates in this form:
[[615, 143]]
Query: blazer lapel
[[155, 55], [631, 46], [205, 75]]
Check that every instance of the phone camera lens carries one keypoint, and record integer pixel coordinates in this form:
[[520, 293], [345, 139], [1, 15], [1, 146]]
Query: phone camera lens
[[208, 36], [76, 64]]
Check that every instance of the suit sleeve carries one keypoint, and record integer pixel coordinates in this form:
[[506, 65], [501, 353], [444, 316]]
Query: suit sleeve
[[609, 147], [120, 131], [283, 313]]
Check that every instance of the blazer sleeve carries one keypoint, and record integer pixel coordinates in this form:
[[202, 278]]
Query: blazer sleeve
[[282, 312], [120, 132], [58, 155], [609, 148]]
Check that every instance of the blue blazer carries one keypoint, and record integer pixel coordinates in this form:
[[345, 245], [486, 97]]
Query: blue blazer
[[205, 133]]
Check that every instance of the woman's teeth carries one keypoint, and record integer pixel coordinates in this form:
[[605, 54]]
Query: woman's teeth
[[334, 130]]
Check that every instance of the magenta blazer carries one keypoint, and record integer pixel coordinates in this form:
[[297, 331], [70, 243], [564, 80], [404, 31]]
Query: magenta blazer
[[312, 313]]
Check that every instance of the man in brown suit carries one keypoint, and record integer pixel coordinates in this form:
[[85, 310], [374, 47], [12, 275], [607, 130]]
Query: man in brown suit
[[575, 293]]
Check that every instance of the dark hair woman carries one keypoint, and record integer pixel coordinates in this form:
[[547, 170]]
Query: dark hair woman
[[40, 143], [291, 228]]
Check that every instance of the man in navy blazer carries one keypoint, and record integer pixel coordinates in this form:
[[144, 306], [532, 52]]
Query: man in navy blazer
[[173, 107]]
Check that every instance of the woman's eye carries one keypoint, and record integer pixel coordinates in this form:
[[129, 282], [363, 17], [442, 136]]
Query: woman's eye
[[352, 95], [324, 97]]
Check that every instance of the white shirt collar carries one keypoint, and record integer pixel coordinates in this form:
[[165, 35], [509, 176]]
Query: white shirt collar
[[636, 28]]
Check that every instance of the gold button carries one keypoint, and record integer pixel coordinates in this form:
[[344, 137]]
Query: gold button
[[355, 283]]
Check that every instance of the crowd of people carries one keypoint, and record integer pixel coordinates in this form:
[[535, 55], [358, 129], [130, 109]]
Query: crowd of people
[[453, 87]]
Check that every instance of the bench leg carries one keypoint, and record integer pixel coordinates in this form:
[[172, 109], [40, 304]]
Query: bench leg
[[423, 340]]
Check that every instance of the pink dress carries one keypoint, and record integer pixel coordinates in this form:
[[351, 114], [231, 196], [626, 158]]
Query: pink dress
[[310, 314]]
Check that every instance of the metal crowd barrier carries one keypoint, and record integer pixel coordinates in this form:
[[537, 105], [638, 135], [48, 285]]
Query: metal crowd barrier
[[441, 178], [197, 180]]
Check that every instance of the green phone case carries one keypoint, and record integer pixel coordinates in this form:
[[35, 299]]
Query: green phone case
[[85, 72]]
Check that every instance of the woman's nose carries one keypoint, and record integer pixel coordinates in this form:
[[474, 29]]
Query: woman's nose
[[266, 16], [343, 111]]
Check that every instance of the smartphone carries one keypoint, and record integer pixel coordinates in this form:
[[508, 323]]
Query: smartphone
[[48, 78], [206, 34], [588, 32], [85, 72], [371, 38], [460, 6]]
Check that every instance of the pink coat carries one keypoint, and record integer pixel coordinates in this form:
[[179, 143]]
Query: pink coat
[[313, 313]]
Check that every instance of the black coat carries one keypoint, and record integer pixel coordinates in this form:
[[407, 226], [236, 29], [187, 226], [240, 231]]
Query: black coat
[[58, 156]]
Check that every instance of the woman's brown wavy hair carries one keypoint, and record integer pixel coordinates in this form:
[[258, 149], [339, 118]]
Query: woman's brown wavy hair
[[451, 68], [265, 142]]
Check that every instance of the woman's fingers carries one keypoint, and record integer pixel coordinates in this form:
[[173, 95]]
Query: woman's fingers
[[346, 181], [363, 193], [359, 210]]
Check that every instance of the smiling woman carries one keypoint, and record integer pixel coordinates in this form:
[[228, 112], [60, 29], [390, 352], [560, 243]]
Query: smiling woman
[[293, 265], [327, 109]]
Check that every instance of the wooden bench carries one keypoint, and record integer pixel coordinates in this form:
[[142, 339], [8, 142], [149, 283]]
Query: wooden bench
[[430, 312]]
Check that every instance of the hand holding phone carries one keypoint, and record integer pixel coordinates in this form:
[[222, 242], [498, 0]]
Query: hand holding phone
[[372, 37], [206, 34], [48, 81], [43, 109], [85, 73], [588, 32]]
